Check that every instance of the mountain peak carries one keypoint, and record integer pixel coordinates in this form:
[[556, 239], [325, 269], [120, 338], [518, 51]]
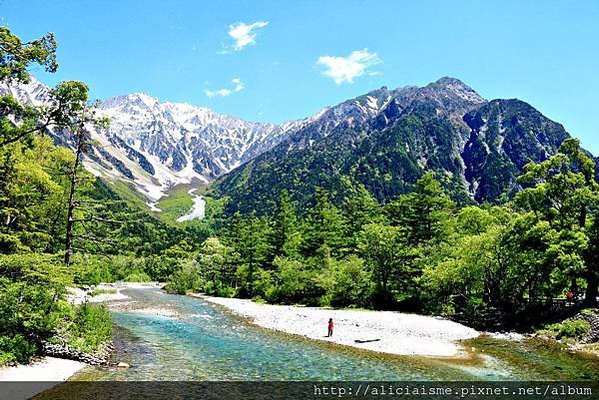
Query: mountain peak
[[455, 88], [143, 96], [127, 101], [140, 97], [449, 83], [448, 80]]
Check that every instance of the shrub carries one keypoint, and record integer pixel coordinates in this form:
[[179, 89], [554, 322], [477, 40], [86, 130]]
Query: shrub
[[132, 269], [7, 358], [226, 291], [137, 276], [186, 279], [91, 270], [120, 267], [570, 329], [91, 327], [296, 283], [217, 289], [16, 349], [589, 311], [31, 289], [27, 309]]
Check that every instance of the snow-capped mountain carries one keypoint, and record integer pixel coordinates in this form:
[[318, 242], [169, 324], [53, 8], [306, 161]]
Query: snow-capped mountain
[[34, 92], [153, 145], [175, 143]]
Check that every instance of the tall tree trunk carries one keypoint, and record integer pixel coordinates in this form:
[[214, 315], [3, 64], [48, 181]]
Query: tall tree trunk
[[590, 296], [69, 237], [582, 217]]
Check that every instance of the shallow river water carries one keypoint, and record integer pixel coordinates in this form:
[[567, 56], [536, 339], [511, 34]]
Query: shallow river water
[[204, 342]]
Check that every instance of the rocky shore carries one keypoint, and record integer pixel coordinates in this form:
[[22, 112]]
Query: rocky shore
[[66, 352]]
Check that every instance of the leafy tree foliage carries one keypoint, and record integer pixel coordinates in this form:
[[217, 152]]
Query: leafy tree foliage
[[563, 192], [16, 56], [347, 283], [50, 206]]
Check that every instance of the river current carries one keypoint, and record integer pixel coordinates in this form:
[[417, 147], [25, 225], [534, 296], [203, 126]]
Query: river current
[[204, 342]]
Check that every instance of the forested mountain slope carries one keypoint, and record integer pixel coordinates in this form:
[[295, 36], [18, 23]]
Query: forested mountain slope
[[384, 140], [477, 147]]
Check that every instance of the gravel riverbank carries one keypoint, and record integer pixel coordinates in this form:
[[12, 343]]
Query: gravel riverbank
[[382, 331], [40, 375], [112, 292]]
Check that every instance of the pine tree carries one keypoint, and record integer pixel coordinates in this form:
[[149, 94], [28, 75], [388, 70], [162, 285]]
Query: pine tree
[[359, 208], [286, 236], [423, 214], [324, 227], [249, 236]]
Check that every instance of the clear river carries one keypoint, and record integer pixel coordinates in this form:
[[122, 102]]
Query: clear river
[[204, 342]]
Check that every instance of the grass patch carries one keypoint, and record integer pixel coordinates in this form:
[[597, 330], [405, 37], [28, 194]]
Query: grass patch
[[175, 204], [97, 292], [569, 329], [128, 193], [178, 202]]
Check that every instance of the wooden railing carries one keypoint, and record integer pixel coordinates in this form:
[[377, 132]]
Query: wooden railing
[[555, 302]]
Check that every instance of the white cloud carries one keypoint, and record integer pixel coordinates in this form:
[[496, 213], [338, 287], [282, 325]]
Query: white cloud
[[346, 69], [244, 34], [238, 86]]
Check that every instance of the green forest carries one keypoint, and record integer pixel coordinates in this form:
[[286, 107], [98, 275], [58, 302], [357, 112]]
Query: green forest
[[61, 227]]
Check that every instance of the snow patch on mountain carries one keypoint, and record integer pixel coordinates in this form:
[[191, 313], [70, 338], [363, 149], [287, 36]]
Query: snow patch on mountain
[[197, 210]]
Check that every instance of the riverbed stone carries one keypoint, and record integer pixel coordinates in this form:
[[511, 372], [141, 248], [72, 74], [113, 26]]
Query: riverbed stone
[[63, 350]]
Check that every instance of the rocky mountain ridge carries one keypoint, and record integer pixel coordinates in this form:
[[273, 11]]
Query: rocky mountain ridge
[[153, 146], [477, 147], [384, 139]]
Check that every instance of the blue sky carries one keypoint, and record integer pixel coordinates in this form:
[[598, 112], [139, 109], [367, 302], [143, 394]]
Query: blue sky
[[281, 60]]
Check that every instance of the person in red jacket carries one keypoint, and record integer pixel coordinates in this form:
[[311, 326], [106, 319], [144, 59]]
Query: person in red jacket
[[331, 325]]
